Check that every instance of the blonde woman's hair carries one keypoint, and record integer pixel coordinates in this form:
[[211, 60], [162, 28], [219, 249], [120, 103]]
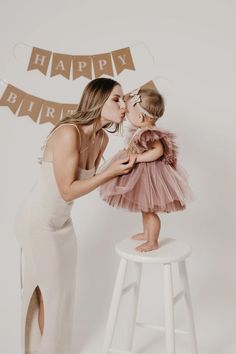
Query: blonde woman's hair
[[91, 103], [153, 102]]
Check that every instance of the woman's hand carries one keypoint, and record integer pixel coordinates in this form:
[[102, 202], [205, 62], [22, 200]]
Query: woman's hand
[[121, 166]]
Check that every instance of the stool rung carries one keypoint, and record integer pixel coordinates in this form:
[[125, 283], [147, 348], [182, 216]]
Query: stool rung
[[129, 287], [158, 328], [178, 296], [118, 351]]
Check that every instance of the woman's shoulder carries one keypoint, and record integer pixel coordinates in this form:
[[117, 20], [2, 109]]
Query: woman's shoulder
[[66, 129], [63, 133], [69, 135]]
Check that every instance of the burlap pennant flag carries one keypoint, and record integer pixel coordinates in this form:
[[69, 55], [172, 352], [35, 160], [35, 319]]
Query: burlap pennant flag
[[102, 64], [68, 109], [82, 66], [61, 64], [148, 85], [51, 112], [12, 98], [39, 60], [123, 59], [31, 106]]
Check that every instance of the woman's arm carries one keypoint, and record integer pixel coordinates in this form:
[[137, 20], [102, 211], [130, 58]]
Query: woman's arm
[[65, 165], [153, 154]]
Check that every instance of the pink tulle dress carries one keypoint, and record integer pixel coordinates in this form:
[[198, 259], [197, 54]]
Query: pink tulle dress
[[156, 186]]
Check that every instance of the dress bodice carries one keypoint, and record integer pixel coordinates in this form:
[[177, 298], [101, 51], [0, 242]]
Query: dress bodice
[[83, 173], [140, 140], [46, 193]]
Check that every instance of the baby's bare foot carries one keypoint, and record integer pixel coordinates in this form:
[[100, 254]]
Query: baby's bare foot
[[140, 236], [147, 246]]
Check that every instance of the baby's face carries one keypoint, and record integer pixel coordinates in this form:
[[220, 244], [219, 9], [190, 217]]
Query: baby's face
[[132, 114]]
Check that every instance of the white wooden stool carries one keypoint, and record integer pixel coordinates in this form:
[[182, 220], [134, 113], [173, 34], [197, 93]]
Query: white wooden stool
[[169, 251]]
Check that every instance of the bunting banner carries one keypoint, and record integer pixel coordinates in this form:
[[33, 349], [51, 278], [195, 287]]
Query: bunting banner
[[75, 66], [40, 110]]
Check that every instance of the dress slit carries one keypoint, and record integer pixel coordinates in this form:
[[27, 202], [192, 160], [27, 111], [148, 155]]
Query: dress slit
[[32, 335]]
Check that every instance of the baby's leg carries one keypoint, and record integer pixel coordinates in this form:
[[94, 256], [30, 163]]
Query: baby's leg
[[153, 224], [143, 235]]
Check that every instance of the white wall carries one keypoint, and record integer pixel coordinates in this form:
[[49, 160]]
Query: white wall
[[193, 43]]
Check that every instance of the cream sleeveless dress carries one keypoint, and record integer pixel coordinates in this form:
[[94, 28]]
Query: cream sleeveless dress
[[48, 244]]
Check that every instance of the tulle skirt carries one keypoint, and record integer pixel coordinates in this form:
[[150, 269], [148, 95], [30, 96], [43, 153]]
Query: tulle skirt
[[149, 187]]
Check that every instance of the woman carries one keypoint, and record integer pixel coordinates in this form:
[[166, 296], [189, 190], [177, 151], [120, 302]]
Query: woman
[[44, 229]]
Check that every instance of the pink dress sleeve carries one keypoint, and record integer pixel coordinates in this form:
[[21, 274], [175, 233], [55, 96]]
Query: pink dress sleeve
[[168, 139]]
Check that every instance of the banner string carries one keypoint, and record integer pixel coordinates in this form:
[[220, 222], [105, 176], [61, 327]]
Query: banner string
[[162, 77], [147, 49], [18, 44], [3, 82]]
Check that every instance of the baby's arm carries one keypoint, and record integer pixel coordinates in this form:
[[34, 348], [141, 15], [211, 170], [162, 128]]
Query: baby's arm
[[153, 154]]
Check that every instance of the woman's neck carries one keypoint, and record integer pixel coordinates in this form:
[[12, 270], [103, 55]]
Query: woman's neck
[[89, 129]]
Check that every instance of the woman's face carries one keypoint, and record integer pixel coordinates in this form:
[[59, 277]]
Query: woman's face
[[114, 108]]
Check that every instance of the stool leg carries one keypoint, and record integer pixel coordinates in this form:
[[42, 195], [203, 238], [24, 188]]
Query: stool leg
[[187, 296], [133, 315], [169, 309], [114, 307]]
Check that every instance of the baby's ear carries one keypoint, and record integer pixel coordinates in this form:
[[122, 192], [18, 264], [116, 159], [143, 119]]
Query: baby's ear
[[141, 117]]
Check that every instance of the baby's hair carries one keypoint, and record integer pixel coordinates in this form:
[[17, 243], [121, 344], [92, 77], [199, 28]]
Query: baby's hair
[[153, 102]]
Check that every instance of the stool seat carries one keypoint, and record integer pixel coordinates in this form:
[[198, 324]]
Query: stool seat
[[169, 250]]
